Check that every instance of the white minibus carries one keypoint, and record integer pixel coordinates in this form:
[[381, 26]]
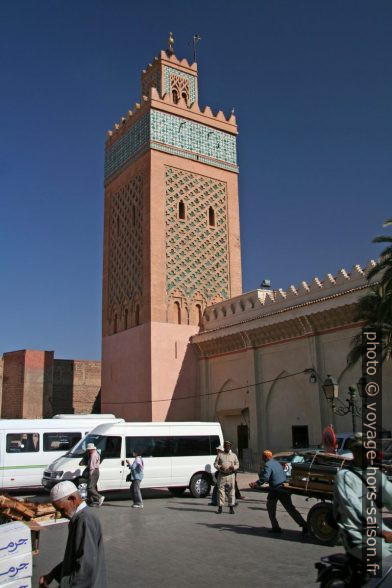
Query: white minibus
[[28, 446], [176, 455]]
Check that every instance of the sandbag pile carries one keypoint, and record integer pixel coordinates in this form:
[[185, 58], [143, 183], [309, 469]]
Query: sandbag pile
[[18, 510]]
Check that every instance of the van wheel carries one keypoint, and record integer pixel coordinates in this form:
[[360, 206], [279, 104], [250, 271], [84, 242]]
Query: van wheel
[[200, 486], [177, 490]]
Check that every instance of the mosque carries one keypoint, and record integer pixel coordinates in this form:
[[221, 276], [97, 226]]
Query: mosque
[[181, 341]]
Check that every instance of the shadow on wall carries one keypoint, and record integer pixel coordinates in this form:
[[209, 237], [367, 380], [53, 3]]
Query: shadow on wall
[[62, 392], [47, 391], [97, 404], [185, 403]]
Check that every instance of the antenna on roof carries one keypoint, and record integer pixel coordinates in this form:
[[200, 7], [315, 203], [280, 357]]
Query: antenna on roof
[[195, 39], [265, 284]]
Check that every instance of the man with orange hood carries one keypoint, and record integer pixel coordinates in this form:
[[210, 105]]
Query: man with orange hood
[[273, 473]]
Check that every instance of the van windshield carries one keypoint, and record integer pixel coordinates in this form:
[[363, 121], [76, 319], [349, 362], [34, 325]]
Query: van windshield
[[107, 446]]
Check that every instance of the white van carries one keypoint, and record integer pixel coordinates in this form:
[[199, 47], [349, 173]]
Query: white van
[[176, 455], [28, 446]]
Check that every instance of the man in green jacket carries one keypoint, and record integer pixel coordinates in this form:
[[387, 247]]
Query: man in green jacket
[[359, 529]]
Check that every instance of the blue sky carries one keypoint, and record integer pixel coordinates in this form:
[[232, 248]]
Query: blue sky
[[311, 86]]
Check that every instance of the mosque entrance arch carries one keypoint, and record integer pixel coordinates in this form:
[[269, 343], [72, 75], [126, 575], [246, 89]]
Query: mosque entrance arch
[[232, 411], [287, 413]]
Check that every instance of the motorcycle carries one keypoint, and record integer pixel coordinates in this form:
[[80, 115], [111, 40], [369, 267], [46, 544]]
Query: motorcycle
[[343, 571], [339, 570]]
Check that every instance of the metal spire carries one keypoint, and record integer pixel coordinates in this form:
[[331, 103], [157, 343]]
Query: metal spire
[[170, 44], [195, 39]]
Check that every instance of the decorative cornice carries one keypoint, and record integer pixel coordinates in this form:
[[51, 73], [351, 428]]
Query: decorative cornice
[[265, 317], [240, 339]]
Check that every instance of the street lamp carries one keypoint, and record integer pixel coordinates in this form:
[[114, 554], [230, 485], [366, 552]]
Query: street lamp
[[361, 386], [331, 391]]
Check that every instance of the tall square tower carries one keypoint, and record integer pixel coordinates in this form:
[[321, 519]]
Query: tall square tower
[[171, 241]]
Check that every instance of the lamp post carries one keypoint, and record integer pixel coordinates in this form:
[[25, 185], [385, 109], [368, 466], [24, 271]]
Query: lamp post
[[331, 391]]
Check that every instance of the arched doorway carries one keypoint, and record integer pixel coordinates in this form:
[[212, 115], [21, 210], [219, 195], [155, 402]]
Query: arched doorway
[[231, 409], [288, 418]]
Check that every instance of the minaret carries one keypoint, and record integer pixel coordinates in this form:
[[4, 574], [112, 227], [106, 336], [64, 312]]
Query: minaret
[[171, 241]]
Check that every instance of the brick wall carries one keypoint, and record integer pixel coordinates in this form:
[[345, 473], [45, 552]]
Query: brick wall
[[62, 394], [13, 385], [35, 385], [87, 386], [76, 386], [1, 379]]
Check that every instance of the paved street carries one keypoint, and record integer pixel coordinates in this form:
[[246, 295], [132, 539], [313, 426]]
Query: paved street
[[181, 542]]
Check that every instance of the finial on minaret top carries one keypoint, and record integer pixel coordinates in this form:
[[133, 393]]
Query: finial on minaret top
[[170, 44]]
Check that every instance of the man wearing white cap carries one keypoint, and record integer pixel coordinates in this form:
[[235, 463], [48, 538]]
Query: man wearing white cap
[[94, 497], [84, 559]]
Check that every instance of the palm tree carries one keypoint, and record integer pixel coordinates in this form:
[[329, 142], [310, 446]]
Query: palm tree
[[375, 308]]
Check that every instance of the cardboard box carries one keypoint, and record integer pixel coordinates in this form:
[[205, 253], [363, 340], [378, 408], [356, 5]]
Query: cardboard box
[[15, 539], [23, 583], [15, 568]]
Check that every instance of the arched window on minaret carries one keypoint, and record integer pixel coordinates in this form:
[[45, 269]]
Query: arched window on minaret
[[115, 324], [126, 319], [185, 97], [177, 308], [137, 315], [181, 210], [211, 217], [199, 315], [133, 215], [175, 96]]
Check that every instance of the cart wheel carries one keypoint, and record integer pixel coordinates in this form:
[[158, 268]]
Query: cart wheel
[[317, 523]]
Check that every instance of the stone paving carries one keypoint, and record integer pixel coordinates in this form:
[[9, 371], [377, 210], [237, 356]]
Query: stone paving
[[181, 542]]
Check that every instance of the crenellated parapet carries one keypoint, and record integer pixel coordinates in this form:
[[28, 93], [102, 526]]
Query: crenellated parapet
[[262, 303], [218, 119], [168, 118]]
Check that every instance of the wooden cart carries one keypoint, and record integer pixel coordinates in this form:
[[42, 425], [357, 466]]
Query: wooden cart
[[315, 478]]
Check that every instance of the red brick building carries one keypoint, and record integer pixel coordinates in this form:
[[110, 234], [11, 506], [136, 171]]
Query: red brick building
[[35, 385]]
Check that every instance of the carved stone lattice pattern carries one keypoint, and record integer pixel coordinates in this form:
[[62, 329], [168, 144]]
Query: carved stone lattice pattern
[[126, 246], [180, 85], [171, 71], [196, 253]]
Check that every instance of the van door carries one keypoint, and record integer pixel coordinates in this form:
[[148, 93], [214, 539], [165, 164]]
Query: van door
[[155, 451], [111, 470], [191, 454]]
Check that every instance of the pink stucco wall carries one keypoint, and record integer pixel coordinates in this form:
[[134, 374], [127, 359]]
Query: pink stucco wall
[[151, 362], [126, 374], [174, 373]]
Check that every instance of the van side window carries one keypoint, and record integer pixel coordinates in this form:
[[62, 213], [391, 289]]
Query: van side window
[[192, 445], [161, 447], [148, 446], [22, 442], [60, 441], [214, 443], [111, 449]]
